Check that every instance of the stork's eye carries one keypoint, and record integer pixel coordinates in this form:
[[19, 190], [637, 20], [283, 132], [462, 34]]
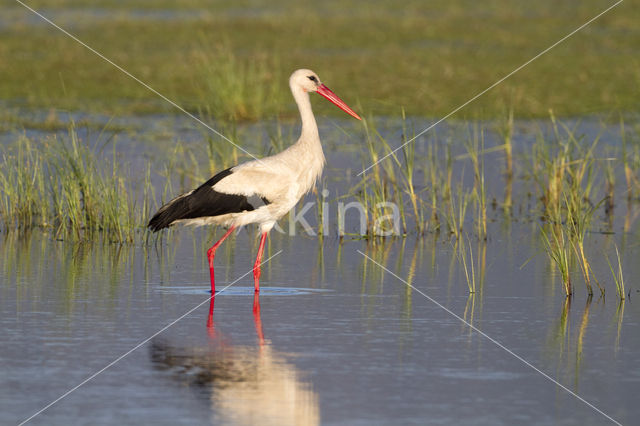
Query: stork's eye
[[313, 78]]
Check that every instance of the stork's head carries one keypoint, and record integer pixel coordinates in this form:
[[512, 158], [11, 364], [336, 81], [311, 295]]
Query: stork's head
[[308, 81]]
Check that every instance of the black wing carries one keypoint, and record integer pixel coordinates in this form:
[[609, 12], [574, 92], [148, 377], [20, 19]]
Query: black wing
[[204, 202]]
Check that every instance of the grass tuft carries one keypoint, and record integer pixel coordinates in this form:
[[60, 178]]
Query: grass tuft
[[61, 185], [618, 277]]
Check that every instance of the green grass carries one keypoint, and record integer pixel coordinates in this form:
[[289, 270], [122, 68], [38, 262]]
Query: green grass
[[61, 185], [468, 266], [78, 189], [73, 188], [618, 277], [566, 182], [557, 249], [233, 59], [475, 151], [233, 88]]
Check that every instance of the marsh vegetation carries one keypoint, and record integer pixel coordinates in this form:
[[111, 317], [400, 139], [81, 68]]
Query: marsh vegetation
[[570, 180]]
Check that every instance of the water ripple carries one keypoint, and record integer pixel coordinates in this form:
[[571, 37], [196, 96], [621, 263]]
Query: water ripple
[[242, 291]]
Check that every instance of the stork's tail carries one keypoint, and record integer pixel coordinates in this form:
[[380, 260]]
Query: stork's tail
[[169, 213]]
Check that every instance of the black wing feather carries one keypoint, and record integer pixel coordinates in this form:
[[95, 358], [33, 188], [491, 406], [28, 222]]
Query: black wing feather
[[203, 202]]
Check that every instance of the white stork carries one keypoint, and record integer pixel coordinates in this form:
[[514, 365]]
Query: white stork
[[260, 191]]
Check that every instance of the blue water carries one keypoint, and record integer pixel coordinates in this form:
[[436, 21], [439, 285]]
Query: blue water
[[336, 340]]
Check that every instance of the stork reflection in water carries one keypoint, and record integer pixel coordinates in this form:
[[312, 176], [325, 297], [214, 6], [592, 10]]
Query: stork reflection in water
[[243, 384]]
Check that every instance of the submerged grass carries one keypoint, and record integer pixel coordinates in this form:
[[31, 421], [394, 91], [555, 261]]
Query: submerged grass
[[618, 277], [468, 268], [475, 150], [572, 182], [562, 180], [506, 131], [558, 251], [60, 184]]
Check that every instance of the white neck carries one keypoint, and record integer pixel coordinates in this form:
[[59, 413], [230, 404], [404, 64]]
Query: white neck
[[309, 127], [308, 150]]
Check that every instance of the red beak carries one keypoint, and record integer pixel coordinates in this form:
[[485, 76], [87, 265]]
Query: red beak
[[324, 91]]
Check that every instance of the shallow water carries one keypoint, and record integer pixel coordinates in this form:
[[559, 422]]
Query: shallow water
[[333, 338], [342, 341]]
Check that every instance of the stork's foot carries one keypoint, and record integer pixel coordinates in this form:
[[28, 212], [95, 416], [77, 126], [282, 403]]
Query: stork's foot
[[256, 278]]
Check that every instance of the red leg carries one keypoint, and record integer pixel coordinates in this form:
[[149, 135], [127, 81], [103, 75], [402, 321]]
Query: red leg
[[211, 254], [256, 266]]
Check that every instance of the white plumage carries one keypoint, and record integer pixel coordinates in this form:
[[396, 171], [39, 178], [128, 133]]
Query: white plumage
[[259, 191]]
